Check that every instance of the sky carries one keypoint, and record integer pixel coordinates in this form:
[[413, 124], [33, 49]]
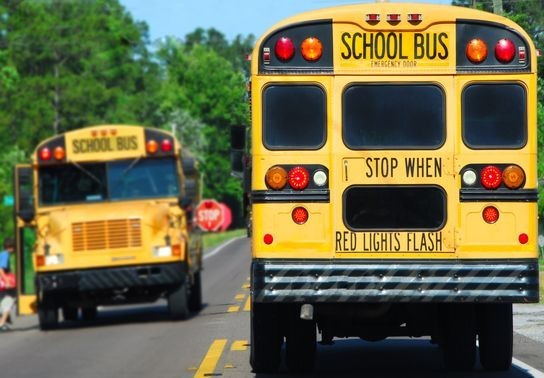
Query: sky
[[231, 17]]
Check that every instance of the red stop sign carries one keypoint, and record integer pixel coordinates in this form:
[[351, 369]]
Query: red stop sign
[[209, 215]]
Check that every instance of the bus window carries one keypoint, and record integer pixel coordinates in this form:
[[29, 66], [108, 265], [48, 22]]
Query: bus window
[[393, 116], [494, 115], [294, 117]]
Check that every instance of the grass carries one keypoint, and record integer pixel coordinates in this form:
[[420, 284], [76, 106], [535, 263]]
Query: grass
[[213, 239]]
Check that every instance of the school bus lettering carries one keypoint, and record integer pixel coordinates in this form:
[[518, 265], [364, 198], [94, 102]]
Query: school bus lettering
[[90, 145], [383, 242], [392, 46], [423, 167], [382, 167]]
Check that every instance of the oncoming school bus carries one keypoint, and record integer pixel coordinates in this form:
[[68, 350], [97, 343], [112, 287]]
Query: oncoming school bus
[[110, 210], [393, 181]]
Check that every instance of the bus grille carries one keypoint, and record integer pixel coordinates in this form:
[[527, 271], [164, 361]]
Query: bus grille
[[110, 234]]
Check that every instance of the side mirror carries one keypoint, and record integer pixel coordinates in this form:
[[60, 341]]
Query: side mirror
[[237, 153], [24, 199]]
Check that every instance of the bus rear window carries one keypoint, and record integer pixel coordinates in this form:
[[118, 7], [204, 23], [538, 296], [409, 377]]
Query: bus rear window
[[394, 207], [494, 116], [393, 116], [294, 117]]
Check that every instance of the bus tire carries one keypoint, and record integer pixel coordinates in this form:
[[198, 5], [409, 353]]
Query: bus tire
[[459, 331], [300, 346], [266, 338], [195, 298], [69, 313], [178, 303], [48, 316], [495, 335]]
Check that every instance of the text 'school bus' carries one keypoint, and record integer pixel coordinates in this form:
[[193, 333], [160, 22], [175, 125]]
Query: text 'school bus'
[[393, 181], [109, 207]]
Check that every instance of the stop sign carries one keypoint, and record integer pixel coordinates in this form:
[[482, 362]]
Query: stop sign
[[209, 215]]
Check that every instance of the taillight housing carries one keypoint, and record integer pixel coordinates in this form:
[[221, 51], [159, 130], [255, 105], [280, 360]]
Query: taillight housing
[[299, 178], [491, 177], [490, 214], [284, 49], [505, 50], [476, 50], [299, 215]]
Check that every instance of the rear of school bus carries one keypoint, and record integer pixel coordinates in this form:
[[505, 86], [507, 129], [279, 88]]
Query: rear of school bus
[[394, 187], [110, 223]]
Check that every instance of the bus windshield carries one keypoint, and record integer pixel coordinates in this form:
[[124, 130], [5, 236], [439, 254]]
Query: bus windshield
[[117, 180]]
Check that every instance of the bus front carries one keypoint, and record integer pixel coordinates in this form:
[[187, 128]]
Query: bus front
[[109, 223], [393, 181]]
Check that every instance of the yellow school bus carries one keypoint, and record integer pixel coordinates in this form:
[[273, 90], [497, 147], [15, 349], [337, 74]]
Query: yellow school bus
[[109, 208], [393, 181]]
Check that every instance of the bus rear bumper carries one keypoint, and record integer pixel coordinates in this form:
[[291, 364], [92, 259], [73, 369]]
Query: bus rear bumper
[[506, 281], [140, 276]]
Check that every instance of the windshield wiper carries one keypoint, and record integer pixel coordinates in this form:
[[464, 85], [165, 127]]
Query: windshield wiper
[[82, 169], [131, 165]]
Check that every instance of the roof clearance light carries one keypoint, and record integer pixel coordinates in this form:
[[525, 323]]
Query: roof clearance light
[[151, 146], [45, 153], [299, 215], [299, 178], [58, 153], [276, 178], [490, 214], [372, 17], [513, 176], [311, 49], [470, 177], [284, 49], [415, 17], [491, 177], [476, 50], [394, 17], [166, 145], [505, 50]]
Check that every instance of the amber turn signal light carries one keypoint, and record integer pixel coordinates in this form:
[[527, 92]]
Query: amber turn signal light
[[513, 176], [276, 178]]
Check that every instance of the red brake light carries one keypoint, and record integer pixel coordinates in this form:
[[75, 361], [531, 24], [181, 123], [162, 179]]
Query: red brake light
[[505, 50], [45, 153], [490, 214], [523, 238], [166, 145], [284, 49], [491, 177], [268, 239], [299, 215], [299, 178]]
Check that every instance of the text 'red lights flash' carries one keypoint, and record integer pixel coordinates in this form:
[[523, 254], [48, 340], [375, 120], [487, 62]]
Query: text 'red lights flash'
[[476, 50], [299, 178], [311, 49], [284, 49]]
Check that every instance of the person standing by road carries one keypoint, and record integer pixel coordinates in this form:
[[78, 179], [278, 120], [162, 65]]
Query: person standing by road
[[7, 296]]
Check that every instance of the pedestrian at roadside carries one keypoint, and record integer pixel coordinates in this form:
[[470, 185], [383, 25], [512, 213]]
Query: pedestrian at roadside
[[7, 296]]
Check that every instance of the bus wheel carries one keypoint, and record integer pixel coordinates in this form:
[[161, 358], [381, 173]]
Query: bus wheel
[[178, 303], [459, 337], [89, 313], [69, 313], [266, 338], [495, 330], [301, 344], [48, 316], [195, 298]]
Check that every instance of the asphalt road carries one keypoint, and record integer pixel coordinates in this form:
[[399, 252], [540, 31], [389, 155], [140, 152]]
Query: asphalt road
[[141, 341]]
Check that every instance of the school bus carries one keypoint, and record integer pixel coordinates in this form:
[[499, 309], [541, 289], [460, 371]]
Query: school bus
[[393, 181], [109, 208]]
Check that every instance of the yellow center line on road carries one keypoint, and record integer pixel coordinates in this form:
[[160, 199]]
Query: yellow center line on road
[[239, 345], [209, 363], [247, 306], [233, 309]]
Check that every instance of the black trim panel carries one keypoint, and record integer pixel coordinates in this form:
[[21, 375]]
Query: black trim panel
[[483, 195], [416, 281], [308, 195]]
